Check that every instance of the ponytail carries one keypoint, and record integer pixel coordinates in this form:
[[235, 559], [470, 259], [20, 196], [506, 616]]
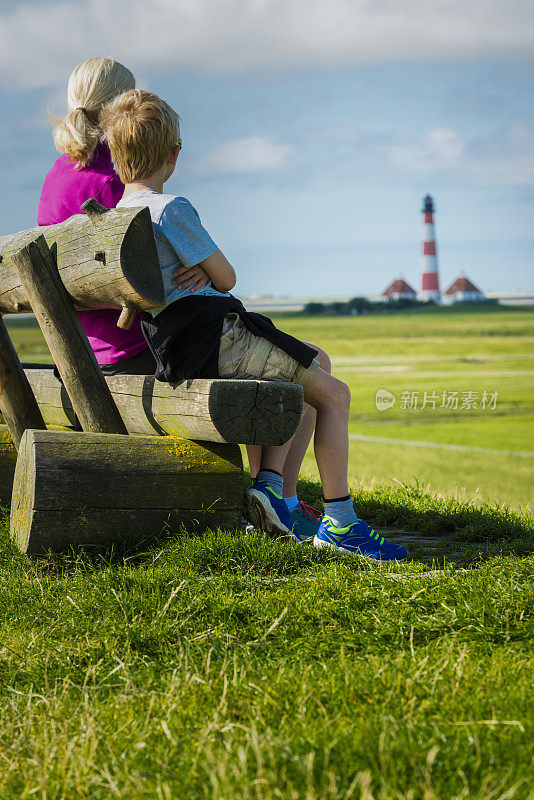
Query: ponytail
[[77, 136]]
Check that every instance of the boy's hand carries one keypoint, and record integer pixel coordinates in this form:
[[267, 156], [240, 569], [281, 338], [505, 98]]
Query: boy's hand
[[215, 268], [192, 278]]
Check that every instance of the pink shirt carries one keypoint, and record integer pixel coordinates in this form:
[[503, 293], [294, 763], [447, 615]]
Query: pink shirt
[[64, 190]]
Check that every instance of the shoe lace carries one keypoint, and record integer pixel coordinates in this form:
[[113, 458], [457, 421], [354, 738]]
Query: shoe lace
[[308, 511], [374, 535]]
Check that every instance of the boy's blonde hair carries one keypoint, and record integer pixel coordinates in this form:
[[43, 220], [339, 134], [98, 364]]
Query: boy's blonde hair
[[141, 129], [91, 85]]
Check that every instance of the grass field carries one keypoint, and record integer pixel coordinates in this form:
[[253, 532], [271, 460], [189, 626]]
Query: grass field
[[447, 350], [230, 666]]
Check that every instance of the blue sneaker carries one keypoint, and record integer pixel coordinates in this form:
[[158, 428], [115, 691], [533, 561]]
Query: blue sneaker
[[358, 538], [267, 510], [306, 521]]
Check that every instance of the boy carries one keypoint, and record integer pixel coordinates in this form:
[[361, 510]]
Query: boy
[[205, 332]]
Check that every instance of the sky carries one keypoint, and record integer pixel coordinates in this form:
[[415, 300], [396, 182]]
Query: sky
[[311, 130]]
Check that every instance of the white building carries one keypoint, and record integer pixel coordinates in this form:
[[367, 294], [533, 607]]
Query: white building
[[462, 290], [399, 290]]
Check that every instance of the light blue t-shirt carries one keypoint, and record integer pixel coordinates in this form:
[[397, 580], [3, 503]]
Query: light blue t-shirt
[[181, 239]]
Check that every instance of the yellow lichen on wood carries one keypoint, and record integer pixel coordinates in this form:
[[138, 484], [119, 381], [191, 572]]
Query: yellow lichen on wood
[[6, 440]]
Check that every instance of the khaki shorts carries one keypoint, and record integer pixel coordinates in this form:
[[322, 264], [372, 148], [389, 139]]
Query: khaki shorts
[[244, 355]]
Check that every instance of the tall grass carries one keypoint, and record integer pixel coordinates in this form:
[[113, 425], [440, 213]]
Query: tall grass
[[230, 665]]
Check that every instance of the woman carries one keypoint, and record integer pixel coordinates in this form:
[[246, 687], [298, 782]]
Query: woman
[[85, 170]]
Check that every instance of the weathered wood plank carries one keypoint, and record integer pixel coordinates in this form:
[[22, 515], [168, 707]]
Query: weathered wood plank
[[235, 412], [8, 460], [66, 339], [125, 272], [17, 402], [57, 531], [74, 489]]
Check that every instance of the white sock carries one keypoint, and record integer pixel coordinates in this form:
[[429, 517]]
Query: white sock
[[341, 511], [291, 502]]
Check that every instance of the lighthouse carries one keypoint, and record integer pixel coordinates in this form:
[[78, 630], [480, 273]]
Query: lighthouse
[[429, 274]]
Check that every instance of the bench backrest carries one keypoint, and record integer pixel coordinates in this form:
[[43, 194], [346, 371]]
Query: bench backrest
[[105, 257]]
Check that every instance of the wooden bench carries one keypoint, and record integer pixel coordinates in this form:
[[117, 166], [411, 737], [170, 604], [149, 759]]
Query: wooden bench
[[150, 453]]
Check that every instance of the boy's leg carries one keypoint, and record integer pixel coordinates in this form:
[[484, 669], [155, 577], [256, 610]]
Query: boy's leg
[[295, 455], [305, 519], [298, 445], [300, 519], [340, 528], [273, 458], [299, 442], [263, 504], [331, 399], [302, 437]]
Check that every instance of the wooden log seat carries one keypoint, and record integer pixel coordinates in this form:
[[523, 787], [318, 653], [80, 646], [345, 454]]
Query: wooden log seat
[[106, 258], [229, 411], [86, 489]]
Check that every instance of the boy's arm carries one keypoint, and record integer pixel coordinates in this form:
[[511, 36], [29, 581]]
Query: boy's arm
[[215, 268]]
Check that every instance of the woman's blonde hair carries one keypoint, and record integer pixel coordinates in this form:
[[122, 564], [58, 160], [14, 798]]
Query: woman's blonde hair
[[91, 86]]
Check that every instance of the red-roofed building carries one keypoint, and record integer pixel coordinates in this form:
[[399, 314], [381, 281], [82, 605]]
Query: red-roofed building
[[462, 290], [399, 290]]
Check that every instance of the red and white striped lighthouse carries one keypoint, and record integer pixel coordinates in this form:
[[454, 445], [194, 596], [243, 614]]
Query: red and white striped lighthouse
[[429, 275]]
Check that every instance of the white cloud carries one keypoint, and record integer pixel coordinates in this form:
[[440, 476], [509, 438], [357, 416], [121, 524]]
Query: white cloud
[[440, 148], [250, 154], [41, 42], [505, 158]]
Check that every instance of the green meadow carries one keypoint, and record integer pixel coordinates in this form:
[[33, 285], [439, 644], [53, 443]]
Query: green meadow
[[467, 352], [230, 666]]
